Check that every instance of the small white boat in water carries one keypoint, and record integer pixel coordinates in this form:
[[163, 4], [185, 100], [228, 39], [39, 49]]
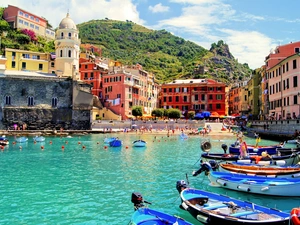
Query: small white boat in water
[[21, 139], [39, 138], [139, 143]]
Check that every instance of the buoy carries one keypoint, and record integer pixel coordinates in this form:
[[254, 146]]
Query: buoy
[[62, 147], [34, 142], [2, 147], [79, 142], [98, 143], [105, 147], [42, 147], [83, 146], [126, 147], [14, 143], [50, 142], [66, 142]]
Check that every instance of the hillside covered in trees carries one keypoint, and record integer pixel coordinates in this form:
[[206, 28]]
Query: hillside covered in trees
[[167, 56]]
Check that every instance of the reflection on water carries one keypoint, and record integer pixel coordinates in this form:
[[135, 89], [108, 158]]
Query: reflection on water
[[82, 180]]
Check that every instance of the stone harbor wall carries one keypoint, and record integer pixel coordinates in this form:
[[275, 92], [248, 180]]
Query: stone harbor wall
[[42, 104]]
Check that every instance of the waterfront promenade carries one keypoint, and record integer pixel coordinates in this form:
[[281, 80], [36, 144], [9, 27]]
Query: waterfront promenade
[[277, 130]]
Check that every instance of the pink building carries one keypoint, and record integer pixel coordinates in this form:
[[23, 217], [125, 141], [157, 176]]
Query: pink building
[[283, 76], [21, 19], [124, 87]]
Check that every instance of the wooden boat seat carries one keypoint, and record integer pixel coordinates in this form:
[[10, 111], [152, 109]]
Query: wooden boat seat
[[215, 206], [245, 213]]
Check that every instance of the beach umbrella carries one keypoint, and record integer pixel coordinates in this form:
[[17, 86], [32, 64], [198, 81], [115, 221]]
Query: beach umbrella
[[206, 114], [199, 116]]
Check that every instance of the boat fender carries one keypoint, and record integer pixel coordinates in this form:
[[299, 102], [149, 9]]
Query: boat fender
[[264, 163], [205, 146], [294, 216], [243, 188], [184, 206], [296, 175], [264, 189], [244, 161], [202, 218], [280, 163], [221, 182]]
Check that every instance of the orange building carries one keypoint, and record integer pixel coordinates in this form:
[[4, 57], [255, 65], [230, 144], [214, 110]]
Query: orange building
[[21, 19], [194, 95]]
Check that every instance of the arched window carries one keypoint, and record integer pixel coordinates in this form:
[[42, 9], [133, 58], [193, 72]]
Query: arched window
[[70, 53], [61, 53], [7, 100], [62, 34], [54, 102], [30, 101], [70, 35]]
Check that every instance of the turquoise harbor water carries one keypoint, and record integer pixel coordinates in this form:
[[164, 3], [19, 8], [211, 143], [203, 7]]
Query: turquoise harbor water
[[79, 181]]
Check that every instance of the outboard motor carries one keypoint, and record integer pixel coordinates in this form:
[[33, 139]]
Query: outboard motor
[[203, 167], [138, 201], [214, 165], [181, 185], [224, 147]]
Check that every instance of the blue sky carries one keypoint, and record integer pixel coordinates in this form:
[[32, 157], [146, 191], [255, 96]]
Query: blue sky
[[251, 28]]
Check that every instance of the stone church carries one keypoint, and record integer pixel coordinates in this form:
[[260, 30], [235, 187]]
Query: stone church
[[45, 101]]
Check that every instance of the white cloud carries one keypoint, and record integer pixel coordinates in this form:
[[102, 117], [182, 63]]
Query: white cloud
[[195, 2], [158, 8], [248, 46], [205, 22], [56, 10]]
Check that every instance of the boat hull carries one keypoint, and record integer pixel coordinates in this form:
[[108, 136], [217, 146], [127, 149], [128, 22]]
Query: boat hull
[[287, 160], [262, 171], [39, 139], [22, 139], [257, 185], [146, 216], [272, 150], [213, 210], [139, 143], [115, 143]]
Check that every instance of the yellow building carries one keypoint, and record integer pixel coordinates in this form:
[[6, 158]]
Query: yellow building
[[27, 60]]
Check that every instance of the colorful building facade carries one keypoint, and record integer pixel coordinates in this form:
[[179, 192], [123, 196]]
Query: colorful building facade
[[194, 95], [283, 76], [27, 60], [21, 19]]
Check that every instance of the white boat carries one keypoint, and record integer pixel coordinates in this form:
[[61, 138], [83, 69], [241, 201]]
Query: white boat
[[39, 139], [139, 143], [21, 139], [254, 184], [211, 208]]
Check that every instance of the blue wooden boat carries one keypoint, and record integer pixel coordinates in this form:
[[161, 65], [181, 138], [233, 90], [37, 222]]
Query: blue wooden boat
[[21, 139], [256, 184], [109, 139], [271, 150], [115, 143], [139, 143], [3, 141], [39, 139], [146, 216], [211, 208]]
